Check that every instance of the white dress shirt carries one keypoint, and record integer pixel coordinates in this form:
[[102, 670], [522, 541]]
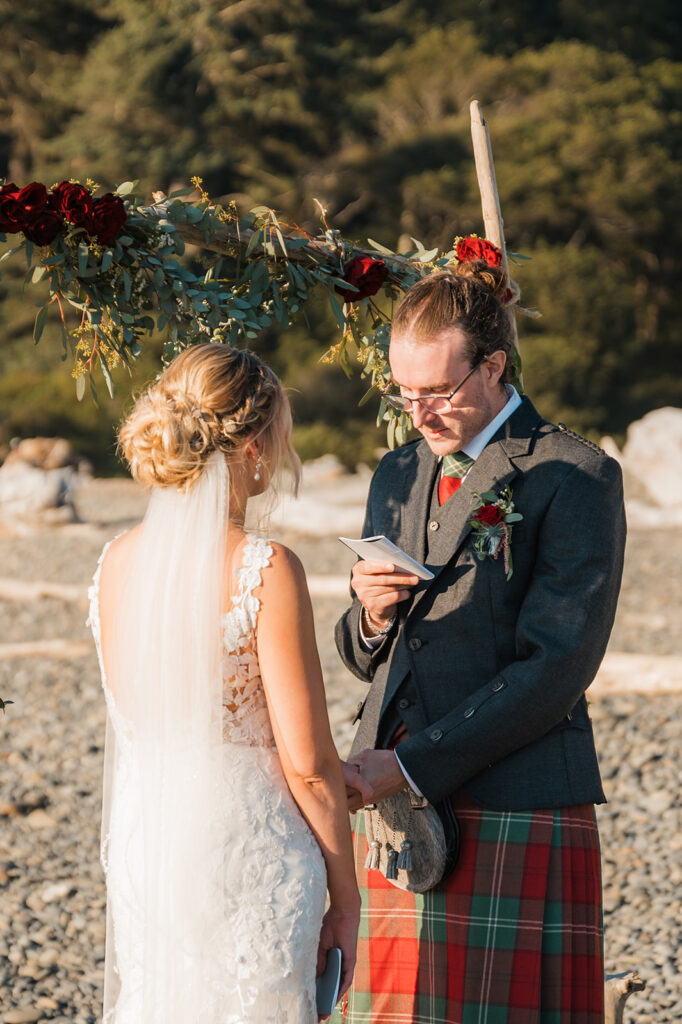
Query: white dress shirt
[[473, 449]]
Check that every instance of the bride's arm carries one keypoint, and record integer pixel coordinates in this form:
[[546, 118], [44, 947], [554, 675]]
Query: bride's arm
[[292, 679]]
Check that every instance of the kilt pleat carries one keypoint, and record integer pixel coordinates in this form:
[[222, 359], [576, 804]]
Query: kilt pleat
[[514, 936]]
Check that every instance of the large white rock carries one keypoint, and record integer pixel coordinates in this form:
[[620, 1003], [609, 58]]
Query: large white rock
[[653, 453], [27, 491]]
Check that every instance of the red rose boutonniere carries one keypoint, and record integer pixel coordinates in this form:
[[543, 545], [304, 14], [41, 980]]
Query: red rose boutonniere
[[492, 520]]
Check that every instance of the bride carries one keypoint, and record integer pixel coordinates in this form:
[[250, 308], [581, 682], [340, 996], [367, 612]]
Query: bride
[[224, 815]]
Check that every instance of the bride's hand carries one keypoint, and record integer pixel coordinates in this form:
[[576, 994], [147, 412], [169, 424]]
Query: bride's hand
[[339, 929]]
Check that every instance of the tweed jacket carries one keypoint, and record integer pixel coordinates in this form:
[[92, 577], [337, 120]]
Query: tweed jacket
[[489, 675]]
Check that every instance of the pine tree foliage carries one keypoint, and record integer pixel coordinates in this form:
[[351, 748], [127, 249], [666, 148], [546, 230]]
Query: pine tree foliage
[[365, 107]]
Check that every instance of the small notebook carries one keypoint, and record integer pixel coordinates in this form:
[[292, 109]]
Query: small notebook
[[327, 985], [381, 549]]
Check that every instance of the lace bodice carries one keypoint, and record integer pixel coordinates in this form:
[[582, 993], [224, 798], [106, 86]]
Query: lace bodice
[[245, 712]]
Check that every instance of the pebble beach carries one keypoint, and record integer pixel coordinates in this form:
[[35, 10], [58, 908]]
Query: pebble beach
[[52, 897]]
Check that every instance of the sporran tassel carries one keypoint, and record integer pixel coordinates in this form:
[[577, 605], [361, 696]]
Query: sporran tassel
[[392, 866], [405, 855], [372, 862]]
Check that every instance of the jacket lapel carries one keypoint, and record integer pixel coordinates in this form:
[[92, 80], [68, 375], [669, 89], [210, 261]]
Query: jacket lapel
[[492, 471], [416, 505]]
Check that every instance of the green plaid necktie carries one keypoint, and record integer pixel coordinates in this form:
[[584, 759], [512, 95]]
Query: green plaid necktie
[[455, 468]]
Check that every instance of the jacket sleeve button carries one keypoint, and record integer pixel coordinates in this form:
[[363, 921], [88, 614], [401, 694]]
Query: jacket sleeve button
[[469, 712], [436, 735], [497, 686]]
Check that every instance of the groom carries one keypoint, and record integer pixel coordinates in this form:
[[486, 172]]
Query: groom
[[477, 683]]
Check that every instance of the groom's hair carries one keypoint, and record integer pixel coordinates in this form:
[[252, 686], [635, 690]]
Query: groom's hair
[[473, 297]]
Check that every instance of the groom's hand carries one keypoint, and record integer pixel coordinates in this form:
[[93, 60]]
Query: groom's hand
[[380, 588], [380, 773], [358, 790]]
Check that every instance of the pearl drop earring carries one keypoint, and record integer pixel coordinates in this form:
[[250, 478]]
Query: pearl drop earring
[[259, 466]]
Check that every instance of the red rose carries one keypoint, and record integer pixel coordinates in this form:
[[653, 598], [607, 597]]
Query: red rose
[[9, 189], [11, 214], [471, 248], [32, 197], [366, 274], [74, 202], [489, 515], [41, 226], [108, 217]]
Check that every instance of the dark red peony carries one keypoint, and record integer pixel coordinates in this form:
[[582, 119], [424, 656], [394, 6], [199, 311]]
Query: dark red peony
[[472, 248], [108, 217], [489, 515], [42, 226], [74, 202], [367, 274]]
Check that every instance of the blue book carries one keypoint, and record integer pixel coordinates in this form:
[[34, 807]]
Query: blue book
[[328, 983]]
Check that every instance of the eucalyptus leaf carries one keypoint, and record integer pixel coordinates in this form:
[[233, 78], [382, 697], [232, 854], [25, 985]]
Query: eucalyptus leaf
[[80, 386], [380, 248], [39, 323], [336, 310], [106, 373], [107, 260], [83, 253], [29, 253], [126, 187], [38, 274], [10, 252]]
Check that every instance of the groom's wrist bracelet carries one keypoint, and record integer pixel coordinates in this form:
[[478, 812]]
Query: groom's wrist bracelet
[[375, 629]]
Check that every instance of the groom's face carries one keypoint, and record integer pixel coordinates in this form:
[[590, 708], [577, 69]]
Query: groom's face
[[436, 366]]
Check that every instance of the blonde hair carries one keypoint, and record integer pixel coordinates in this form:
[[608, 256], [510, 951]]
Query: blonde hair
[[211, 398], [469, 297]]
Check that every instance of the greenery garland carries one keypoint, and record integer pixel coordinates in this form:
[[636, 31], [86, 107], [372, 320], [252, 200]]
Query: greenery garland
[[119, 264]]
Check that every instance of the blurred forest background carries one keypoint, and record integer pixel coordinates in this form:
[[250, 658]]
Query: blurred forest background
[[364, 105]]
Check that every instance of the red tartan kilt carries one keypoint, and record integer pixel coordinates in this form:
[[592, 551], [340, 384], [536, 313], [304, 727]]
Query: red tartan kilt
[[513, 936]]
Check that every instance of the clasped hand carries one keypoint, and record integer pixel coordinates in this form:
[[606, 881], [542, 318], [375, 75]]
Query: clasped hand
[[370, 776]]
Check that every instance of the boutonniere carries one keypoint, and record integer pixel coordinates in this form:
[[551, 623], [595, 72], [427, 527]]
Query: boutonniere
[[492, 520]]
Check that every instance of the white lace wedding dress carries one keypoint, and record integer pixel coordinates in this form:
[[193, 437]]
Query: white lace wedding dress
[[261, 967]]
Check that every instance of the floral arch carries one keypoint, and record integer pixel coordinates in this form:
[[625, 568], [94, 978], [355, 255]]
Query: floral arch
[[118, 263]]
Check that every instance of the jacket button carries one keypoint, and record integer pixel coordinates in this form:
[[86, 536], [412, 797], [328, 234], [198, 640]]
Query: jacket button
[[414, 644], [434, 525], [469, 712], [497, 686], [436, 735], [403, 703]]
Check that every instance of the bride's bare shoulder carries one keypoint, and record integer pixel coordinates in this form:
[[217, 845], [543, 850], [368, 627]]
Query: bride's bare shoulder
[[284, 571], [118, 553]]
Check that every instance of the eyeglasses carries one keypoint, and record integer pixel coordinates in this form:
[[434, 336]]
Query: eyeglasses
[[429, 403]]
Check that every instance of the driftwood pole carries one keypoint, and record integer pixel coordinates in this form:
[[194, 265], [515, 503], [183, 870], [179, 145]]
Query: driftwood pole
[[490, 200], [617, 988]]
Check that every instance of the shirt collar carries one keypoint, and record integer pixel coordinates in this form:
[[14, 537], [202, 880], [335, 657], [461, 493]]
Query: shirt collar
[[474, 448]]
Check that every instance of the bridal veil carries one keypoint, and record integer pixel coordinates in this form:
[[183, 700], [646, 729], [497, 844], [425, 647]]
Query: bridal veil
[[162, 849]]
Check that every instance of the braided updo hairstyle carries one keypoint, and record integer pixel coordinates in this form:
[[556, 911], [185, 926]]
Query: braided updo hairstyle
[[211, 398], [469, 297]]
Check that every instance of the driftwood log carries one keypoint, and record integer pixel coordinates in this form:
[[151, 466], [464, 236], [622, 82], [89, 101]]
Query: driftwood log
[[617, 989]]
